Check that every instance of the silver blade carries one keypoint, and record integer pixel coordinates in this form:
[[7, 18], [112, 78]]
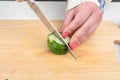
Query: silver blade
[[48, 24]]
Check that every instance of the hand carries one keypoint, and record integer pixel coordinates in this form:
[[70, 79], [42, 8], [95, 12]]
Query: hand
[[80, 22]]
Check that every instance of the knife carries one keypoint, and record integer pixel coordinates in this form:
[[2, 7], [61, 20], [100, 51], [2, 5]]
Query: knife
[[48, 24], [117, 49]]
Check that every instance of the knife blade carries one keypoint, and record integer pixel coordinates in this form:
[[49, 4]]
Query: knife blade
[[48, 24]]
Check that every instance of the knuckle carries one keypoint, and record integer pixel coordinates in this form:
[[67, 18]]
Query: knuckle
[[83, 39], [91, 6], [76, 23], [70, 30], [99, 12], [78, 37], [86, 30]]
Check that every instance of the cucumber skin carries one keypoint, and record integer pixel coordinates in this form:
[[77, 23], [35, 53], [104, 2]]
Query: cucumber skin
[[57, 48]]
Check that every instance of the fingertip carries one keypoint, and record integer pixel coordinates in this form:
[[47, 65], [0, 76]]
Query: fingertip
[[64, 34], [74, 41], [73, 45]]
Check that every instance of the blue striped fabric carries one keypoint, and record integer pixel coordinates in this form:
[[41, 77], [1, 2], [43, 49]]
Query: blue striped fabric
[[102, 4]]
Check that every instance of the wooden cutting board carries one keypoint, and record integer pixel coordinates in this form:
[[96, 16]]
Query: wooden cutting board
[[24, 54]]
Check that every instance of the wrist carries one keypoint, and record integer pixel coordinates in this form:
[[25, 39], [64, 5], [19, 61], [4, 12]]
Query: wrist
[[73, 3]]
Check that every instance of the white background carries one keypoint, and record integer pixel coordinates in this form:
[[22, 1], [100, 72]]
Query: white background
[[53, 10]]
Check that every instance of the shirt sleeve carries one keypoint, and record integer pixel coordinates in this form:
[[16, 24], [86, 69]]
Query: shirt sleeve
[[73, 3]]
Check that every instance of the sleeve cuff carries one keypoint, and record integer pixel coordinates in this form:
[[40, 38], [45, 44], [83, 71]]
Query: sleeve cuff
[[73, 3]]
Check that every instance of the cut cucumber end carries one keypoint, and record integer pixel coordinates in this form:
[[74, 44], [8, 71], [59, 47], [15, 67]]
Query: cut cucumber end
[[56, 45]]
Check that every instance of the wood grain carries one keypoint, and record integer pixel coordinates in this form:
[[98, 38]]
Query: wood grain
[[24, 54]]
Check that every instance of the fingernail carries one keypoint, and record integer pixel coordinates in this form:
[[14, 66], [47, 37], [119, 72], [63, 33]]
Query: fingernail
[[73, 45], [65, 34]]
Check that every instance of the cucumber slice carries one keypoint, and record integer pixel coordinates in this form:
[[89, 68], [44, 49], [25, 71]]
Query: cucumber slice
[[51, 37], [56, 45], [67, 39]]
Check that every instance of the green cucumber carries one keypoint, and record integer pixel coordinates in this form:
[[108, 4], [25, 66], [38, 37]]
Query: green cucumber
[[55, 44]]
